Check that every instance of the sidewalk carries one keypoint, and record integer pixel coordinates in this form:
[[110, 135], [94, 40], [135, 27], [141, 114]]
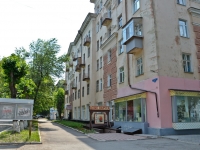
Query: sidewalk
[[57, 137]]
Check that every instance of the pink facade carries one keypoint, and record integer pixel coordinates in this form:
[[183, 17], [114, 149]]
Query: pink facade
[[161, 87]]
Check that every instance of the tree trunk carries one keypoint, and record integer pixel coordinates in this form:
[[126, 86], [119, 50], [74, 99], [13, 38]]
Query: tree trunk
[[13, 90]]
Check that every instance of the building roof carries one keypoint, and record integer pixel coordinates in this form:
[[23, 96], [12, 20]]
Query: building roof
[[82, 29]]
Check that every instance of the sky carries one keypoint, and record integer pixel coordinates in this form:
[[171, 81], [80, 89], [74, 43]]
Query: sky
[[24, 21]]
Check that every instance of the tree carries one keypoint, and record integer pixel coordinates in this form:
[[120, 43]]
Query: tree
[[44, 66], [14, 68], [59, 100]]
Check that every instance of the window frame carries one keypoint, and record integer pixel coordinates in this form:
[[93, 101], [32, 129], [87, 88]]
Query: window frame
[[187, 68], [121, 75], [101, 85], [121, 46], [181, 2], [109, 80], [97, 86], [109, 56], [139, 66], [120, 21], [135, 5], [101, 62], [185, 28]]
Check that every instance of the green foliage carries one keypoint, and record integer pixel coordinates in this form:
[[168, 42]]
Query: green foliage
[[59, 100], [14, 68]]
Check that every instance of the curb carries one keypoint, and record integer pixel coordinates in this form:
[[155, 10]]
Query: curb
[[174, 139], [69, 127], [25, 143]]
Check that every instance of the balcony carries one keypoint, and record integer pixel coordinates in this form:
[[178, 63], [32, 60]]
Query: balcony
[[87, 41], [106, 20], [81, 62], [86, 77], [67, 69], [66, 92], [74, 86], [78, 68], [75, 57], [133, 36]]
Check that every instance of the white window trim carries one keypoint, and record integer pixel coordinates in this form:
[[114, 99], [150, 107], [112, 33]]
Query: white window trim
[[109, 80], [185, 28], [109, 56], [135, 5], [181, 2], [141, 67], [121, 74], [101, 62], [121, 47], [100, 85], [186, 68]]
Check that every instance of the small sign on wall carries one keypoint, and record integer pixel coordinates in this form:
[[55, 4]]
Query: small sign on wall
[[98, 118]]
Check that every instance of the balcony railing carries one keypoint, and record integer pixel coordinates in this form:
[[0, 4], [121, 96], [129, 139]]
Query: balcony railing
[[81, 62], [106, 20], [78, 68], [86, 77], [87, 41], [75, 56], [66, 92], [74, 86], [67, 69]]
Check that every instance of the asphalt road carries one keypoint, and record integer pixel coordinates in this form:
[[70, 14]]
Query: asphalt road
[[56, 137]]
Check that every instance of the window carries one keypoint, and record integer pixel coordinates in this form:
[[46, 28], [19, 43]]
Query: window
[[121, 74], [79, 93], [181, 2], [79, 77], [82, 91], [89, 34], [109, 56], [100, 41], [75, 95], [97, 64], [97, 9], [121, 49], [139, 66], [109, 79], [183, 28], [100, 22], [109, 12], [88, 51], [109, 32], [101, 5], [97, 86], [97, 27], [133, 28], [119, 1], [88, 89], [101, 85], [97, 45], [186, 108], [136, 5], [101, 62], [120, 21], [186, 63]]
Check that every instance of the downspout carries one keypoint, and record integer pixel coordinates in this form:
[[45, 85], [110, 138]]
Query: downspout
[[141, 89], [156, 96], [79, 32]]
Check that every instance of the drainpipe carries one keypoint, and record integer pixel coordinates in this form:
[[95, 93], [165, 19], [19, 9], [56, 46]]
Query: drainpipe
[[126, 19], [79, 32]]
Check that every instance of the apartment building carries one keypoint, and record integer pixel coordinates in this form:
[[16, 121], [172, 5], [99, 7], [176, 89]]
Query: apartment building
[[141, 58]]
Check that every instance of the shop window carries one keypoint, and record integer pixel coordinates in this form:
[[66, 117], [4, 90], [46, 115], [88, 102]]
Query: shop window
[[186, 109], [120, 111]]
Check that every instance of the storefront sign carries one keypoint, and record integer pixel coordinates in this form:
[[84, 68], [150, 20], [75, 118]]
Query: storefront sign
[[99, 108], [184, 93], [132, 97], [98, 118]]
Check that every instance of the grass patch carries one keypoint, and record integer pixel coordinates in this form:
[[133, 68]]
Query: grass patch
[[22, 137], [75, 125]]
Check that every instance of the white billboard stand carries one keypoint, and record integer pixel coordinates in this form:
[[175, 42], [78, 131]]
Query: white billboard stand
[[16, 109]]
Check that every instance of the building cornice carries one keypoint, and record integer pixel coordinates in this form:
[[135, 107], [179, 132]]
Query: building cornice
[[194, 11], [109, 40], [84, 25]]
